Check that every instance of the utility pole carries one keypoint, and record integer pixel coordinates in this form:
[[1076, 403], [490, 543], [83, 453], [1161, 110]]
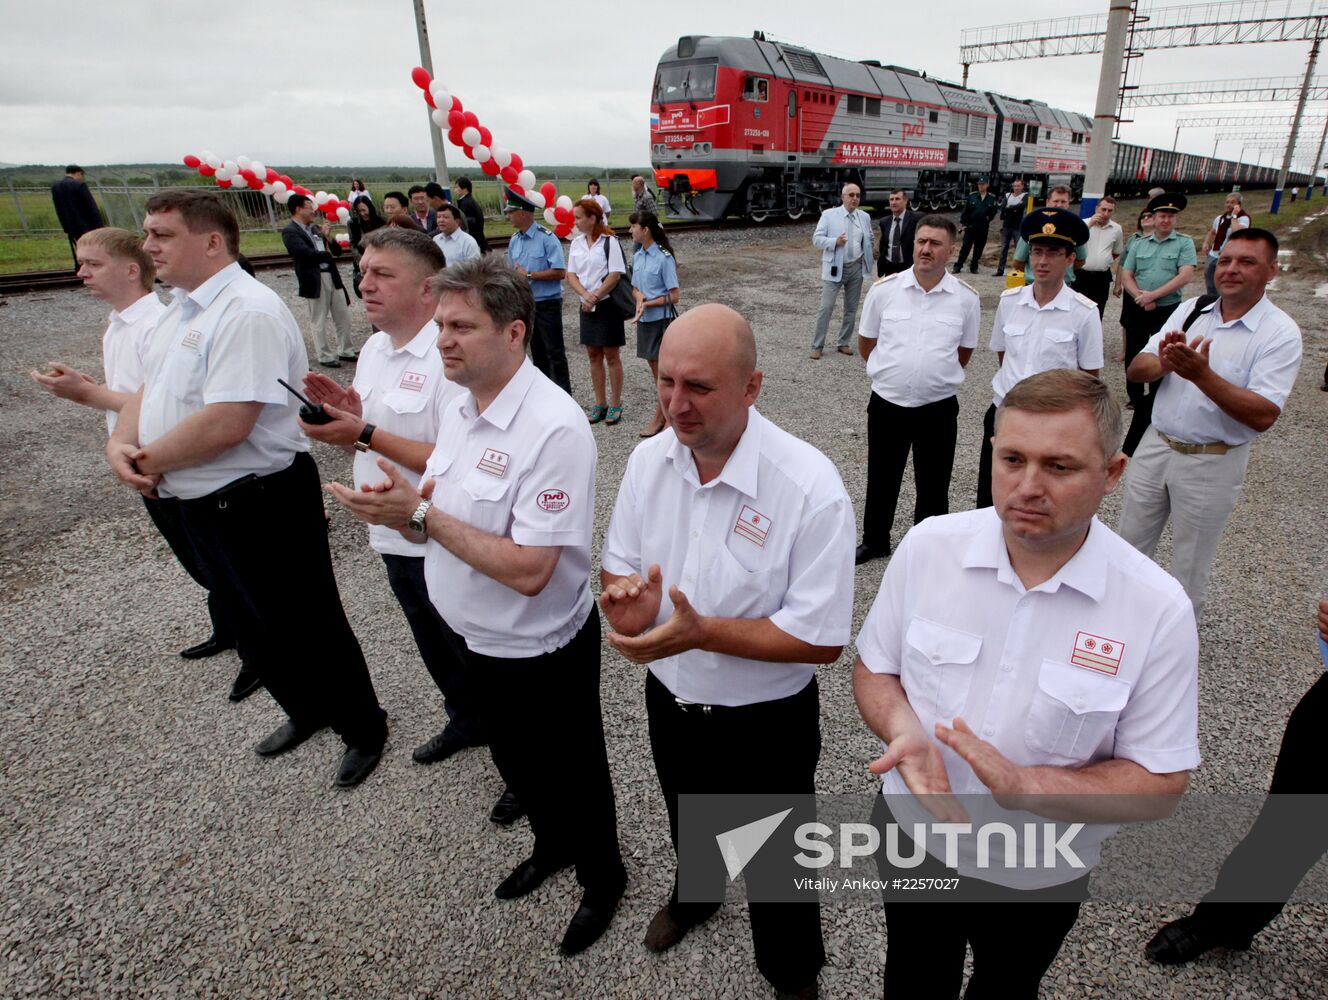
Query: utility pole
[[1108, 99], [1318, 162], [426, 60], [1295, 125]]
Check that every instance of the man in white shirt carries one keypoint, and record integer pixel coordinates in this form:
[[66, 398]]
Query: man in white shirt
[[1232, 220], [1030, 661], [213, 428], [394, 409], [918, 331], [115, 269], [1106, 242], [1043, 325], [457, 245], [506, 509], [728, 569], [1219, 391], [844, 237]]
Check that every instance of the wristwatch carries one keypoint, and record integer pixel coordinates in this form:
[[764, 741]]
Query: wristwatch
[[366, 435], [416, 521]]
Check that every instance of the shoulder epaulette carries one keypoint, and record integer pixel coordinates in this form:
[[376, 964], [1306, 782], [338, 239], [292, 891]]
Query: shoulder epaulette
[[543, 230], [664, 252], [888, 277], [1011, 291], [968, 286], [1083, 299]]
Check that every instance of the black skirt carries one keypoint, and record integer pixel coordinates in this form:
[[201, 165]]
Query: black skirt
[[600, 329]]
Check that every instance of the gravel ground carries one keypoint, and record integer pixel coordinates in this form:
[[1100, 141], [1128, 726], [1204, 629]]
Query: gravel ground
[[148, 852]]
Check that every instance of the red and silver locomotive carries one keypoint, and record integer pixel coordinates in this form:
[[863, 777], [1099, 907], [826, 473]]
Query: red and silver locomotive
[[747, 126]]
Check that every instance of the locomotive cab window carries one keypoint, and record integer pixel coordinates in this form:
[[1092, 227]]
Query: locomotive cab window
[[757, 89], [686, 81], [1031, 135], [855, 104], [873, 107], [933, 117]]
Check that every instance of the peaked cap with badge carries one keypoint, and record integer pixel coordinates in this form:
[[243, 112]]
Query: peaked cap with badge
[[1168, 202], [1053, 227]]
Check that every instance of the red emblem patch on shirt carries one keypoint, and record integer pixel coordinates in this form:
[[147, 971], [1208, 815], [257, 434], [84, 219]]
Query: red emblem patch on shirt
[[494, 462], [1097, 653], [553, 501], [752, 525], [414, 381]]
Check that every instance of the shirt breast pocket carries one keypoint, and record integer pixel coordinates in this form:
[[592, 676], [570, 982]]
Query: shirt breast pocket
[[1074, 712], [1058, 350], [938, 667], [488, 506], [185, 372], [895, 321], [404, 401], [735, 591]]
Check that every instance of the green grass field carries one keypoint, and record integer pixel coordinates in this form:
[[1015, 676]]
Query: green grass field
[[46, 248], [50, 250]]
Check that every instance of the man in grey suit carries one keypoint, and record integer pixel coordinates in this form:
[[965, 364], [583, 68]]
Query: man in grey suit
[[844, 237]]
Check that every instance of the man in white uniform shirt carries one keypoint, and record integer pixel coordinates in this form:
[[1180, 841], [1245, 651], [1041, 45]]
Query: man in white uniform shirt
[[728, 569], [1218, 393], [507, 507], [1024, 652], [457, 245], [1106, 242], [844, 237], [1040, 326], [115, 269], [393, 409], [213, 428], [918, 331]]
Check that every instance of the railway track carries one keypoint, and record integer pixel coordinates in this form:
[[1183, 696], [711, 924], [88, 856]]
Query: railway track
[[46, 281]]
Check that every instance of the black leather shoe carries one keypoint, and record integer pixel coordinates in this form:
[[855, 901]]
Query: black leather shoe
[[507, 810], [866, 554], [1184, 940], [330, 364], [664, 932], [440, 747], [285, 737], [356, 765], [525, 879], [589, 922], [246, 683], [209, 647]]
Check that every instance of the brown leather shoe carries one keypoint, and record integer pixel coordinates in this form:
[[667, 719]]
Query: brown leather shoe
[[815, 355], [664, 932], [845, 350]]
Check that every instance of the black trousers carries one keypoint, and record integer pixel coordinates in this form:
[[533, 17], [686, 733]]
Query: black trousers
[[1096, 285], [1267, 857], [263, 544], [930, 431], [1140, 325], [165, 514], [984, 457], [546, 342], [975, 239], [1009, 240], [546, 734], [441, 649], [1015, 934], [700, 753]]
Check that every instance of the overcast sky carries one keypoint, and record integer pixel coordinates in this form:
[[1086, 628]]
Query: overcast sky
[[294, 82]]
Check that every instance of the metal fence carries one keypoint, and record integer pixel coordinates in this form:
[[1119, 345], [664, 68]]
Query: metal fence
[[28, 211]]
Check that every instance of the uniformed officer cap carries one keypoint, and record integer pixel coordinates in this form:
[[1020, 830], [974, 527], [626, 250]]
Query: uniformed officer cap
[[517, 203], [1167, 202], [1053, 227], [982, 180]]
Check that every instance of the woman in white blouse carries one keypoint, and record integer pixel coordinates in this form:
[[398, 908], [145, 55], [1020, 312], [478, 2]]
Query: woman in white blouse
[[592, 192], [594, 265]]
